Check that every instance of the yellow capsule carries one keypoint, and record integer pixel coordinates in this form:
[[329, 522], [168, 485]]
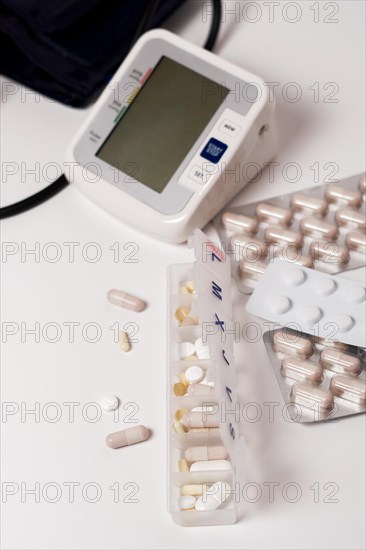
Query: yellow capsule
[[183, 465], [184, 290], [356, 241], [352, 389], [189, 321], [179, 389], [195, 490], [181, 313], [184, 380], [191, 286], [123, 341], [336, 193]]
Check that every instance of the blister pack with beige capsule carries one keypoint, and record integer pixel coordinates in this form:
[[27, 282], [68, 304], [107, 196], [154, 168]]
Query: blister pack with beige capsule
[[322, 227], [319, 379], [203, 436]]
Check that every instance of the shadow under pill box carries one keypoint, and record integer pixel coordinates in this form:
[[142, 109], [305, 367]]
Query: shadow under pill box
[[323, 227]]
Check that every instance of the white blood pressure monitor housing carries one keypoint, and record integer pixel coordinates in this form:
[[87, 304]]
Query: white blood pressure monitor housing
[[170, 140]]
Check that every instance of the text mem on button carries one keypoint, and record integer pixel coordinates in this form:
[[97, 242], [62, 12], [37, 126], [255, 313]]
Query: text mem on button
[[230, 128], [214, 150]]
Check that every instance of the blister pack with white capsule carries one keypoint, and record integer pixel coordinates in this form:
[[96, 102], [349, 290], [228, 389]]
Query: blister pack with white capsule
[[323, 228], [320, 379], [203, 435]]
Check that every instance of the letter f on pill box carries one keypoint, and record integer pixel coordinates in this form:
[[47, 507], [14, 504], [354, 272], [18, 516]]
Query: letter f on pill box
[[164, 158]]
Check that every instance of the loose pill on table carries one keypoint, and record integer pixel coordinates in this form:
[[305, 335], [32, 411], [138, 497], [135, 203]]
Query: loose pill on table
[[362, 184], [202, 349], [210, 466], [213, 452], [183, 465], [338, 361], [254, 270], [186, 349], [130, 436], [352, 389], [300, 202], [187, 502], [309, 396], [179, 389], [270, 213], [356, 241], [291, 343], [329, 252], [201, 420], [336, 193], [109, 403], [125, 300], [195, 490], [349, 216], [281, 236], [318, 228], [238, 222], [248, 247], [301, 370], [214, 497], [194, 374], [181, 313], [200, 389], [124, 342]]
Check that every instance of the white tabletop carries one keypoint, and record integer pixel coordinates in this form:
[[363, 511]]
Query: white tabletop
[[324, 464]]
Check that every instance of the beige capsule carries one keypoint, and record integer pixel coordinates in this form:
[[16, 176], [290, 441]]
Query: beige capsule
[[213, 452], [292, 344], [189, 321], [338, 194], [273, 214], [296, 257], [125, 300], [317, 228], [239, 222], [362, 184], [356, 241], [301, 202], [195, 490], [201, 419], [127, 437], [301, 370], [339, 361], [248, 247], [351, 389], [178, 427], [252, 269], [329, 343], [278, 235], [329, 252], [307, 395], [349, 216]]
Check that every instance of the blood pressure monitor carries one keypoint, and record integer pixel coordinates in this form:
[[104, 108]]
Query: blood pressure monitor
[[174, 136]]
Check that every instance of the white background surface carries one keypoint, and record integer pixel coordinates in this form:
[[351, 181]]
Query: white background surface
[[36, 130]]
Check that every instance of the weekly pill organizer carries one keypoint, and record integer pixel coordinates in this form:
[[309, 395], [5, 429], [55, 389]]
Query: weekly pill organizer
[[321, 228], [162, 146], [203, 436]]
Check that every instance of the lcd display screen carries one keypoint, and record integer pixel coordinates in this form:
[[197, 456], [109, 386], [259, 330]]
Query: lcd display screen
[[161, 125]]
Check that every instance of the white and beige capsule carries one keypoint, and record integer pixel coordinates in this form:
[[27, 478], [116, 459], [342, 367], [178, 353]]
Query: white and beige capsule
[[130, 436], [213, 452]]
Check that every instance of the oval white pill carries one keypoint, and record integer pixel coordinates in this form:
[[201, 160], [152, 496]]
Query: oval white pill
[[214, 497], [280, 304], [186, 349], [295, 277], [325, 287], [311, 314], [194, 374], [187, 502], [210, 465], [356, 294], [109, 403], [344, 322]]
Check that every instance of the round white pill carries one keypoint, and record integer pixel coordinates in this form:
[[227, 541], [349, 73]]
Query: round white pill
[[295, 277], [186, 349], [280, 304], [194, 374], [325, 287], [109, 403], [187, 502], [202, 350], [344, 322], [311, 314], [356, 294]]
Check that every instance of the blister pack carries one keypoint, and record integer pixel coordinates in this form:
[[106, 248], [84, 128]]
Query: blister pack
[[319, 379], [203, 439], [322, 228]]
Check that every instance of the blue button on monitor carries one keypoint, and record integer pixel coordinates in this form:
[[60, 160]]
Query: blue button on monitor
[[214, 150]]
